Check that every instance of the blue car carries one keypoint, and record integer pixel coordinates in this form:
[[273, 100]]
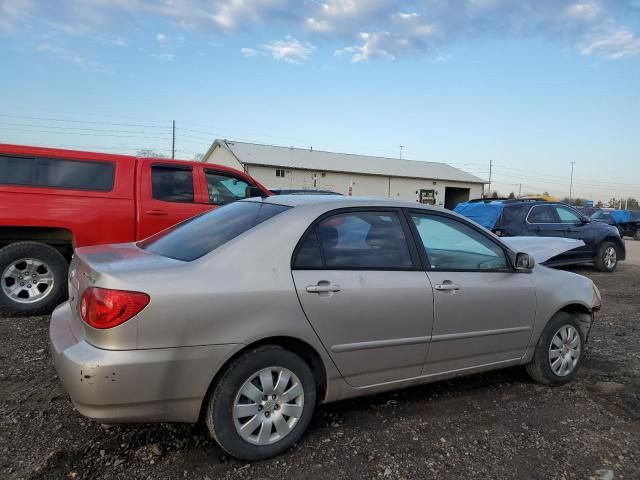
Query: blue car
[[603, 247]]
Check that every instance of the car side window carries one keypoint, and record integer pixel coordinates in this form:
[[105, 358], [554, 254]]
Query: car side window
[[566, 215], [172, 184], [356, 241], [453, 245], [225, 189], [542, 214]]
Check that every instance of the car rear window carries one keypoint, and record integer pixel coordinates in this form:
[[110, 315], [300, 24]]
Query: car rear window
[[56, 173], [202, 234]]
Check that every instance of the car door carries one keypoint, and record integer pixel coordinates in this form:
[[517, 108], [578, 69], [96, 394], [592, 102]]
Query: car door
[[360, 284], [542, 221], [168, 195], [579, 230], [484, 310], [223, 188]]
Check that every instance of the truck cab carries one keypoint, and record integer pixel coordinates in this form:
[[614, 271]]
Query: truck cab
[[53, 200]]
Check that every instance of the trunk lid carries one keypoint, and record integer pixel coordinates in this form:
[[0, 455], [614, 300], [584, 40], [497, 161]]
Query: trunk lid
[[110, 266]]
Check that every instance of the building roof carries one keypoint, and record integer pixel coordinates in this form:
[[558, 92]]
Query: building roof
[[309, 159]]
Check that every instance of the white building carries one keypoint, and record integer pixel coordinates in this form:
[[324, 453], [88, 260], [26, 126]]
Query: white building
[[287, 167]]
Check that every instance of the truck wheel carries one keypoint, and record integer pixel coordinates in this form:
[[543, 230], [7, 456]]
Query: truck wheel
[[33, 279], [636, 236], [607, 258]]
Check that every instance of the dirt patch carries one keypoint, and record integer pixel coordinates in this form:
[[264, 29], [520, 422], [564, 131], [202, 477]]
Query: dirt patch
[[493, 425]]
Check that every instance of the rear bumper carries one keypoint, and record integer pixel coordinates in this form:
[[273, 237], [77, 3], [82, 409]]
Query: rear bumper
[[164, 384]]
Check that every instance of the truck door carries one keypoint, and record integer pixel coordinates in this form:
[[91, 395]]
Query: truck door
[[168, 194]]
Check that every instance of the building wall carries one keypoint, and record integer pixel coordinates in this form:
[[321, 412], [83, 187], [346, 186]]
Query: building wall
[[224, 157], [400, 188]]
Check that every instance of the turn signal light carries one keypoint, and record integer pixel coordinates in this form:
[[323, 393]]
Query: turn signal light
[[105, 308]]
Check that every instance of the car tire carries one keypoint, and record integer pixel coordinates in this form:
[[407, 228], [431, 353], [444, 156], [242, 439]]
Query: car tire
[[604, 262], [229, 410], [561, 341], [40, 270], [636, 235]]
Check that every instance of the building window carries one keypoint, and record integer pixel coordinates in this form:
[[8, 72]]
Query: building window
[[279, 172]]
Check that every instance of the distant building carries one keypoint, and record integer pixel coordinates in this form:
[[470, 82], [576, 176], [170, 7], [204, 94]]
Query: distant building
[[285, 167]]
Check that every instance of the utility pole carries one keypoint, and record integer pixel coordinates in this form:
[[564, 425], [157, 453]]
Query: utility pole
[[173, 142], [401, 147], [571, 183], [490, 171], [519, 190]]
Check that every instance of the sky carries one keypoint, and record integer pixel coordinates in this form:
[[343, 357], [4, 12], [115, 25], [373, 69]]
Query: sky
[[531, 86]]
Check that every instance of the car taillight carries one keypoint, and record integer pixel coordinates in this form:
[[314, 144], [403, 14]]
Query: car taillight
[[106, 308]]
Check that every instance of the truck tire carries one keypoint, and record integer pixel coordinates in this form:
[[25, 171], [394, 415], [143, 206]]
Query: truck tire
[[33, 279], [607, 258], [636, 235]]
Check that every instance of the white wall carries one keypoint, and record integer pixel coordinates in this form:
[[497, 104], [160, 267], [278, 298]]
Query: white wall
[[399, 188], [222, 156]]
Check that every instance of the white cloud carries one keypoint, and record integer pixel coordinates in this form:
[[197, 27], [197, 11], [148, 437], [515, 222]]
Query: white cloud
[[12, 11], [164, 57], [67, 55], [613, 45], [605, 28], [289, 50], [249, 52]]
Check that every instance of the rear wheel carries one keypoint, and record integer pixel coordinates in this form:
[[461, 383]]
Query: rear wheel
[[262, 404], [33, 278], [558, 354], [607, 258], [636, 235]]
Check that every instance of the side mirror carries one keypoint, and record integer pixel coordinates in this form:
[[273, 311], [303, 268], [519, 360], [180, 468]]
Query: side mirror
[[524, 261], [586, 220], [253, 191]]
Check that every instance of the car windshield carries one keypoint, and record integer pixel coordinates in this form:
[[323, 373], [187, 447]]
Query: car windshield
[[601, 215], [204, 233]]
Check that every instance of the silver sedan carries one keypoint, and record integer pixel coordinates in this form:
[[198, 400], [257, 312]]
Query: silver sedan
[[250, 315]]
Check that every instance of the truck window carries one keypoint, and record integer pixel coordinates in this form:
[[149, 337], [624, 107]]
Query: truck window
[[225, 189], [172, 183], [56, 173]]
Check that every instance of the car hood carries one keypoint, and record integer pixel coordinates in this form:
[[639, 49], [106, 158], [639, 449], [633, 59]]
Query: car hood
[[542, 248]]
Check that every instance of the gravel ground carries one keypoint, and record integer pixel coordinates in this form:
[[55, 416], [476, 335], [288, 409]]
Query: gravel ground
[[493, 425]]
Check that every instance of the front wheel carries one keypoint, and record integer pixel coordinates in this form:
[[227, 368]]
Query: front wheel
[[607, 258], [262, 404], [33, 278], [558, 354]]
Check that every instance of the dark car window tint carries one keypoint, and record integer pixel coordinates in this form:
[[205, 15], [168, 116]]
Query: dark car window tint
[[224, 189], [56, 173], [602, 215], [452, 245], [364, 240], [567, 216], [172, 184], [202, 234], [309, 255], [542, 214]]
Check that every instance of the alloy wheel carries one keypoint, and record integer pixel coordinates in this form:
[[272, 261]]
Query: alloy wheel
[[610, 257], [27, 280]]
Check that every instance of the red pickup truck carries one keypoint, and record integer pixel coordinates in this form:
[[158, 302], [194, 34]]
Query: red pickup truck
[[52, 201]]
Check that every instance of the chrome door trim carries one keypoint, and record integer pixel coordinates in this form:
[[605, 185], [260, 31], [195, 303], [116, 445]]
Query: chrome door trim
[[394, 342], [481, 333]]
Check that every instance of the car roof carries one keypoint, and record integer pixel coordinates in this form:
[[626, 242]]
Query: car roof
[[340, 201]]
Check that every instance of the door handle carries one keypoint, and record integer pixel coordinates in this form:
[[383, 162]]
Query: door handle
[[156, 212], [447, 286], [323, 287]]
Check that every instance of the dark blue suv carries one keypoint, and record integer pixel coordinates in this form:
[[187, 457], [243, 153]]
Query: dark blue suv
[[603, 246]]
